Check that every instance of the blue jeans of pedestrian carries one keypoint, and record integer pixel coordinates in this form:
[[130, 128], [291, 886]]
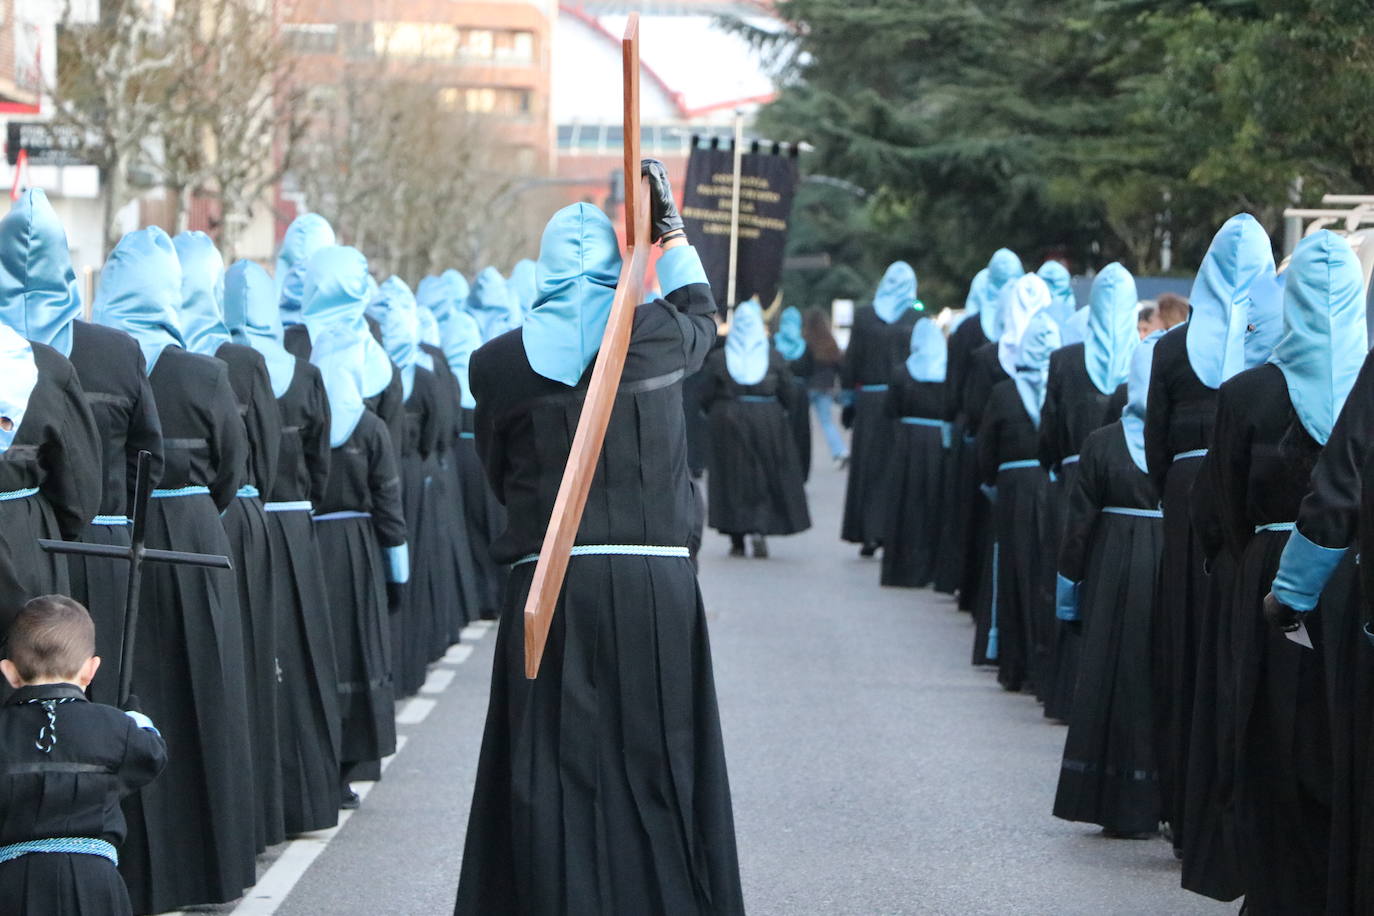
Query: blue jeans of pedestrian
[[823, 402]]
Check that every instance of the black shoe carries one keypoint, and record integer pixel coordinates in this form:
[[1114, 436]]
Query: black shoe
[[868, 550], [760, 547], [350, 800]]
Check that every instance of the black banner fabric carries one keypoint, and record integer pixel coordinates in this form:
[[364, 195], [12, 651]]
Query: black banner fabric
[[767, 185]]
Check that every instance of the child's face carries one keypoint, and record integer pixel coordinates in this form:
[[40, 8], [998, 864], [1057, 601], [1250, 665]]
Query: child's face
[[82, 678]]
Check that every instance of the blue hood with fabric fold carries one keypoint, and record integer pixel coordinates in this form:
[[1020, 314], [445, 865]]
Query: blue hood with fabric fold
[[338, 289], [250, 312], [202, 290], [396, 312], [140, 292], [1063, 303], [307, 234], [39, 295], [335, 354], [896, 293], [524, 285], [1263, 319], [746, 346], [1022, 300], [1137, 393], [429, 334], [1075, 330], [489, 302], [929, 352], [1325, 337], [1239, 255], [1041, 338], [789, 340], [1113, 332], [18, 378], [459, 335], [579, 265], [1004, 268]]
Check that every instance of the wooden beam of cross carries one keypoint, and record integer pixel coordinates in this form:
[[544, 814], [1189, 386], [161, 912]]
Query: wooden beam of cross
[[135, 555], [610, 363]]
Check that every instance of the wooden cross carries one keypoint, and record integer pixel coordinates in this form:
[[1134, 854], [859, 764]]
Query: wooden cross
[[135, 555], [610, 363]]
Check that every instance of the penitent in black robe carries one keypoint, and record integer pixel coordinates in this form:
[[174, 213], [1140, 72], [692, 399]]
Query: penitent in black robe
[[413, 625], [484, 522], [98, 756], [255, 564], [977, 594], [916, 478], [1112, 538], [956, 550], [602, 786], [191, 834], [49, 484], [1074, 407], [799, 410], [308, 695], [114, 377], [756, 480], [875, 349]]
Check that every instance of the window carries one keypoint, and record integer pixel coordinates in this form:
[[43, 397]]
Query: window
[[503, 101], [415, 39], [311, 38]]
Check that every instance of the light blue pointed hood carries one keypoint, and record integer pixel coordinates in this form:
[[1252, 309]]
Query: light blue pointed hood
[[489, 302], [1264, 318], [335, 354], [250, 312], [1040, 339], [746, 346], [1022, 300], [202, 291], [39, 295], [1113, 333], [896, 293], [140, 292], [459, 335], [1063, 303], [429, 334], [307, 234], [1137, 393], [18, 377], [929, 352], [524, 285], [1239, 255], [1075, 330], [1325, 338], [789, 340], [338, 289], [579, 265], [1004, 268], [396, 312]]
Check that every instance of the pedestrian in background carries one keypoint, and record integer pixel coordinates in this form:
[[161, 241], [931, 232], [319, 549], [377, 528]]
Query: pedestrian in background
[[825, 356]]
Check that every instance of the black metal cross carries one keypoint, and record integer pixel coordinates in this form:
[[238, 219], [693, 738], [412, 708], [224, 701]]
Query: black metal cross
[[135, 555]]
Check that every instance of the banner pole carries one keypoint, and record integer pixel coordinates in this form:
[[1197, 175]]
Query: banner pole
[[734, 213]]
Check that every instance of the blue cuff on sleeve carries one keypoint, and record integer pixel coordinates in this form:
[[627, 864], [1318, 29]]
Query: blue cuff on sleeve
[[1304, 570], [846, 398], [142, 721], [1065, 598], [989, 490], [679, 267], [945, 432], [398, 564]]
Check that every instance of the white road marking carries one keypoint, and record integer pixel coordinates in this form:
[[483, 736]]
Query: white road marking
[[415, 710], [438, 680], [475, 630], [457, 654]]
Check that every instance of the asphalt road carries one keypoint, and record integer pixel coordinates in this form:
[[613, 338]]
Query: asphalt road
[[874, 771]]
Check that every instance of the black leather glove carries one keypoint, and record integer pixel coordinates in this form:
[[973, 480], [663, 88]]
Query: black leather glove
[[663, 215], [131, 704], [847, 417], [1279, 615], [395, 597]]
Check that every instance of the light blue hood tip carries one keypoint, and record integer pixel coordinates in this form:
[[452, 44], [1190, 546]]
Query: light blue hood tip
[[1240, 255], [1004, 268], [396, 312], [1063, 303], [1021, 301], [1113, 334], [140, 292], [338, 288], [39, 295], [1137, 394], [929, 352], [789, 340], [579, 265], [250, 312], [746, 346], [490, 303], [896, 293], [307, 234], [1325, 337], [1040, 339], [202, 292]]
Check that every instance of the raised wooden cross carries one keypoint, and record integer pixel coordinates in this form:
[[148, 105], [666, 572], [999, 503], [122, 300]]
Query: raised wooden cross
[[610, 363]]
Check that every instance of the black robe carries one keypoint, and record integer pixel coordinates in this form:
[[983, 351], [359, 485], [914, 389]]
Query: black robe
[[308, 715], [799, 410], [1018, 631], [55, 452], [114, 377], [1110, 773], [413, 625], [245, 523], [755, 480], [916, 481], [602, 786], [875, 349], [192, 838], [99, 756], [483, 521], [978, 591], [388, 404], [957, 549]]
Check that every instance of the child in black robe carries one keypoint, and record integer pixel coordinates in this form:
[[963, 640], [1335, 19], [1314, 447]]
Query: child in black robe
[[67, 763]]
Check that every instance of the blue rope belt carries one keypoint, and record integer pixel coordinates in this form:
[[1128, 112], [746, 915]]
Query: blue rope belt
[[1194, 453], [1070, 459], [339, 516], [1018, 465], [758, 399], [1276, 526], [467, 435], [924, 421], [181, 491], [18, 494], [248, 491], [299, 505], [618, 550], [1133, 511], [66, 844], [111, 520], [872, 388]]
